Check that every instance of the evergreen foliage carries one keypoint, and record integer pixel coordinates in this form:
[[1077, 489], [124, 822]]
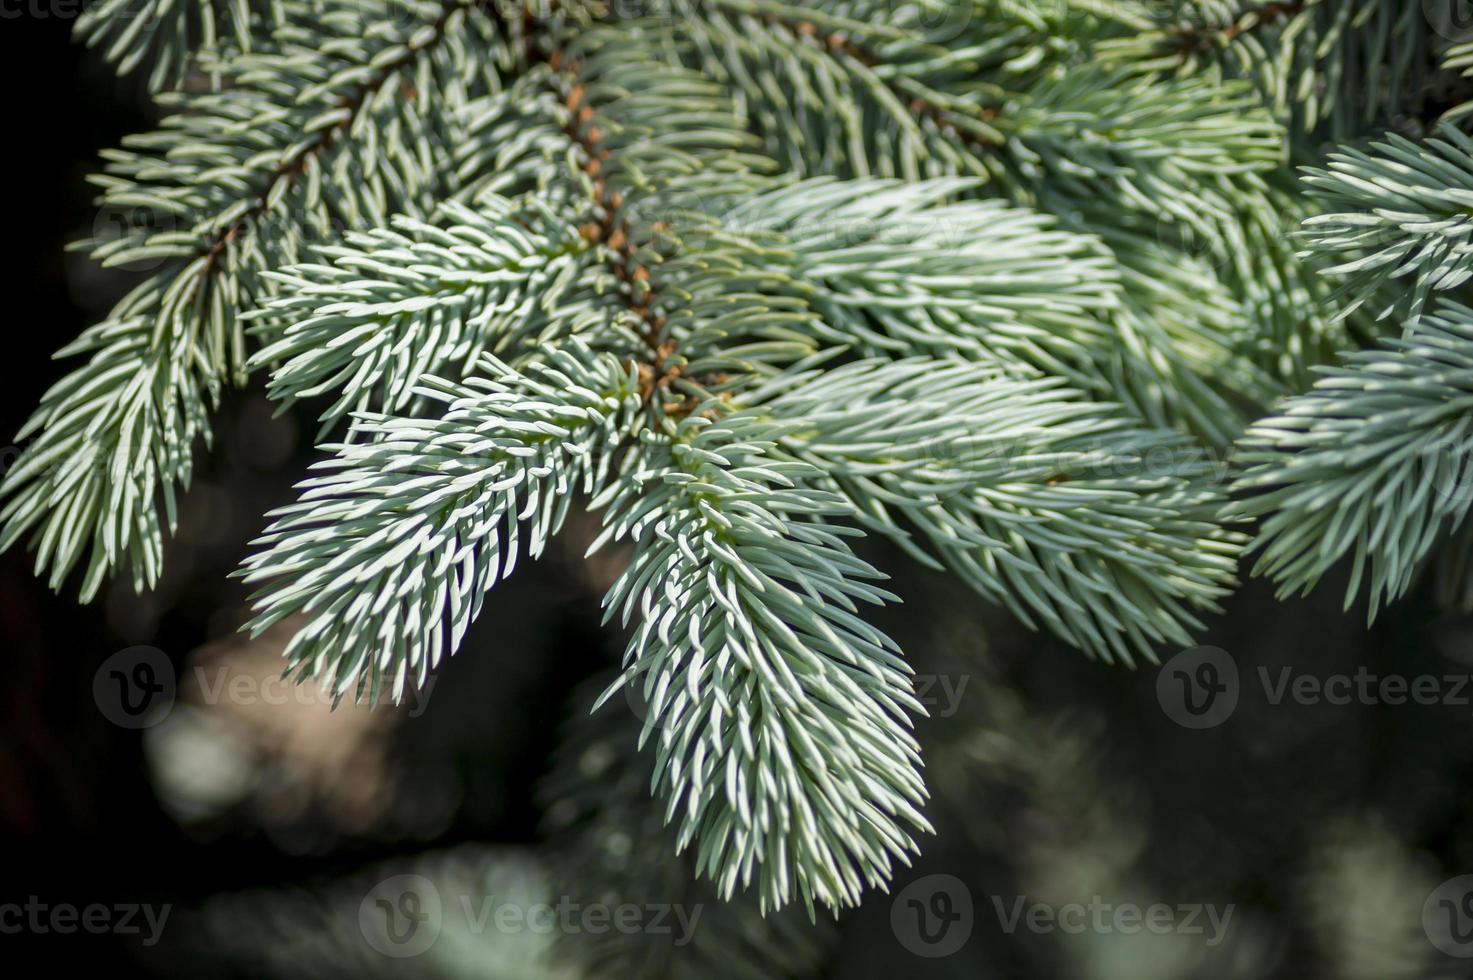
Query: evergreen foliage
[[1000, 281]]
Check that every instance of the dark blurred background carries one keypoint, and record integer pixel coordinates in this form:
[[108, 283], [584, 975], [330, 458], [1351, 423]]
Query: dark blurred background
[[1056, 780]]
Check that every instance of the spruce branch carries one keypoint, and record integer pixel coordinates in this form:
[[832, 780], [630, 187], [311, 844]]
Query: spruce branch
[[884, 92], [1100, 531], [1396, 223], [397, 305], [778, 716], [111, 443], [672, 309], [611, 840], [177, 36], [762, 278], [902, 268], [391, 550], [1459, 58], [1202, 38], [1330, 65], [1373, 463], [234, 183]]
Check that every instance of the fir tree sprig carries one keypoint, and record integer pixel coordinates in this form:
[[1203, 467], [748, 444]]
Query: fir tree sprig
[[390, 551], [757, 278], [1396, 222], [778, 716], [1372, 464]]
